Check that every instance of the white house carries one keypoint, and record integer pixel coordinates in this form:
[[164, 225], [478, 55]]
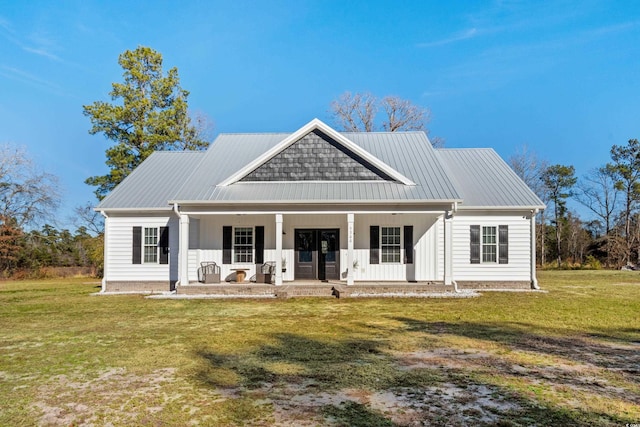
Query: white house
[[322, 205]]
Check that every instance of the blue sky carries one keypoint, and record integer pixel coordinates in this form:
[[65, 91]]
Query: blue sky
[[561, 77]]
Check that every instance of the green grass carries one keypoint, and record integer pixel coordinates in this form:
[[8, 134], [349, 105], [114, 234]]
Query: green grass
[[567, 357]]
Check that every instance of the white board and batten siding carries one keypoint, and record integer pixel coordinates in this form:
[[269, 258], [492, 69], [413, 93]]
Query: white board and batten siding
[[519, 266], [119, 261], [426, 241], [427, 236]]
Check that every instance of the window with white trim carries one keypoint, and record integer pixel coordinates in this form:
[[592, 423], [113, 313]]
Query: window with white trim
[[150, 245], [390, 244], [243, 245], [489, 244]]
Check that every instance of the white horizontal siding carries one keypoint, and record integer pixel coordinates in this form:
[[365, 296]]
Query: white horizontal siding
[[119, 262], [518, 268]]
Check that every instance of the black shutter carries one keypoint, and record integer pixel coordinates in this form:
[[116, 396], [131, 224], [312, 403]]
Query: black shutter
[[137, 245], [226, 244], [374, 244], [259, 244], [503, 244], [475, 244], [408, 244], [164, 245]]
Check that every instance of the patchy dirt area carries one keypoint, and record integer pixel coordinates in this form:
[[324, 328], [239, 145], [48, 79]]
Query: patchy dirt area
[[457, 398]]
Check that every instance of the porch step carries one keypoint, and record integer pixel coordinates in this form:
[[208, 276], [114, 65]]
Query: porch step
[[315, 290], [391, 290], [226, 289]]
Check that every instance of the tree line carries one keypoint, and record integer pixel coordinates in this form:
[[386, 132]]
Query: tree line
[[609, 193], [150, 112]]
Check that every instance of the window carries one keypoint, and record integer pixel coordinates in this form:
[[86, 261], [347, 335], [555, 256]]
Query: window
[[390, 244], [489, 244], [150, 245], [243, 245]]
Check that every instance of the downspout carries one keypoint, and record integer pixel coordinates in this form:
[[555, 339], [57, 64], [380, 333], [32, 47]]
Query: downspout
[[104, 255], [534, 279]]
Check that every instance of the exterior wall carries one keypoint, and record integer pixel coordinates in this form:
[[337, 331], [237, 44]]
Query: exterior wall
[[518, 268], [119, 266], [205, 242], [209, 242], [428, 258]]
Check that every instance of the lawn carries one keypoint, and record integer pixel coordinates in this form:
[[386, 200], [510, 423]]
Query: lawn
[[570, 356]]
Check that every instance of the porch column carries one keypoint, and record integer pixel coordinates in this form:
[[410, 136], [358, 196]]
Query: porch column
[[534, 279], [278, 249], [448, 240], [350, 268], [184, 250], [105, 256]]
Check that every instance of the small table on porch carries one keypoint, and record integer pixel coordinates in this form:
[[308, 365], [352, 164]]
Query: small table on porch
[[241, 274]]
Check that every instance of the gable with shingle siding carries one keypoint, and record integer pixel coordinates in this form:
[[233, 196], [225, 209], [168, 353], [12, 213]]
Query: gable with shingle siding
[[316, 157]]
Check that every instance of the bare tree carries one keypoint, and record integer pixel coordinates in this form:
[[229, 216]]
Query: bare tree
[[27, 195], [402, 114], [355, 112], [359, 112], [201, 130], [87, 217], [597, 191], [530, 168]]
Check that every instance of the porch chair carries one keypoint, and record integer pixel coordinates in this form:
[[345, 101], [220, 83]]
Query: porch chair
[[209, 272], [265, 272]]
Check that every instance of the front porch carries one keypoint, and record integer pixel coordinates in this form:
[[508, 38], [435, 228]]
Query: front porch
[[401, 246], [332, 288]]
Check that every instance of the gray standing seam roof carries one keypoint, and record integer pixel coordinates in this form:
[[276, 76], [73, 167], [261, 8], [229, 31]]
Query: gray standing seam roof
[[485, 180], [153, 182], [477, 177], [410, 153]]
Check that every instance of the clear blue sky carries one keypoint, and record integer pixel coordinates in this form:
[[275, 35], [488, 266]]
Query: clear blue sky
[[560, 77]]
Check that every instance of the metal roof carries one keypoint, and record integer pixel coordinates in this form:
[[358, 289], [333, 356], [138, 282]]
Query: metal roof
[[485, 180], [410, 153], [475, 177], [154, 182]]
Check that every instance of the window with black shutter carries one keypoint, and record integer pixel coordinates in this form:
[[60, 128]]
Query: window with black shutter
[[474, 238], [136, 245], [227, 234], [374, 244]]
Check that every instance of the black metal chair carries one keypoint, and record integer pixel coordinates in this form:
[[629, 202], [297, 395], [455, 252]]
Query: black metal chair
[[265, 272], [209, 272]]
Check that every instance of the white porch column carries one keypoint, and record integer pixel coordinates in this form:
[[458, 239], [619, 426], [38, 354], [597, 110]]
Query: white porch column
[[184, 250], [278, 249], [534, 279], [448, 240], [105, 256], [350, 268]]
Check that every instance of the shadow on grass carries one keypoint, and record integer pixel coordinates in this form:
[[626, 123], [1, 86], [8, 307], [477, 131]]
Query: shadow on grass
[[323, 366], [296, 366], [610, 356], [355, 414]]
